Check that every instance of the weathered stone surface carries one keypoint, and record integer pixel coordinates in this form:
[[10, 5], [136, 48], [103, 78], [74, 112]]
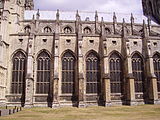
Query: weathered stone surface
[[56, 37]]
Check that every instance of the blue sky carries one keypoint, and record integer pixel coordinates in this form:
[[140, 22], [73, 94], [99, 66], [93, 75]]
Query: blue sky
[[119, 6]]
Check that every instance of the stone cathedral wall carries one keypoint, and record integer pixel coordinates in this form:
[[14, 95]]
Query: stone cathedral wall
[[97, 51], [2, 85], [57, 41]]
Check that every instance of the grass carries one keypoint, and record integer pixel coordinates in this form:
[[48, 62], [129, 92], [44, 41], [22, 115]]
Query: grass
[[142, 112], [7, 107]]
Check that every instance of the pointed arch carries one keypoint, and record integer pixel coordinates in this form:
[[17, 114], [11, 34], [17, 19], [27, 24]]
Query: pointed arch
[[16, 51], [87, 30], [156, 63], [18, 73], [68, 51], [108, 30], [67, 29], [117, 53], [116, 74], [43, 73], [27, 29], [68, 72], [137, 53], [47, 29], [92, 73], [156, 54], [138, 72], [92, 51], [43, 50]]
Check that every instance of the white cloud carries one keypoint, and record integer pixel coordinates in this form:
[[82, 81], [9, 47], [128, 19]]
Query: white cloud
[[122, 6]]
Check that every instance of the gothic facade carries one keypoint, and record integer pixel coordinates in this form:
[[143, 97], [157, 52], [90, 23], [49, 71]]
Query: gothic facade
[[58, 62]]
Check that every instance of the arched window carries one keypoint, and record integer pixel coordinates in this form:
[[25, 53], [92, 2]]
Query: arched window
[[156, 62], [27, 29], [68, 73], [67, 30], [137, 68], [107, 31], [116, 75], [92, 74], [87, 30], [47, 30], [141, 32], [43, 73], [18, 73]]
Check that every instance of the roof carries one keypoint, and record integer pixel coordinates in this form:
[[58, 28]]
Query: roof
[[71, 15]]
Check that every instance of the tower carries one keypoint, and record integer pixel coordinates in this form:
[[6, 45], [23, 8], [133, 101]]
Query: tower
[[11, 13], [151, 8]]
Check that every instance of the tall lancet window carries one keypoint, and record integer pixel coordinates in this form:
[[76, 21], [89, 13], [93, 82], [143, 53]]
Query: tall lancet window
[[18, 73], [92, 74], [68, 73], [156, 62], [137, 67], [43, 73], [116, 75]]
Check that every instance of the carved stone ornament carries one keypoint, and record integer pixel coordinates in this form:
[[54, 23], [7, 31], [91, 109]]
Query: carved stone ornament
[[128, 48], [149, 48], [30, 47]]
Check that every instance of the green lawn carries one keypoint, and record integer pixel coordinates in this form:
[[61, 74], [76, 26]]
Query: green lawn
[[143, 112]]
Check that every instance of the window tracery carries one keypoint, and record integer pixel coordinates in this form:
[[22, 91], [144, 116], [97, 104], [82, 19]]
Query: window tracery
[[68, 73], [18, 73], [116, 75], [43, 73], [137, 68], [156, 63], [92, 74]]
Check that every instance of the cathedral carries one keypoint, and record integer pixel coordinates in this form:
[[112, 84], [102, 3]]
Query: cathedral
[[60, 58]]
